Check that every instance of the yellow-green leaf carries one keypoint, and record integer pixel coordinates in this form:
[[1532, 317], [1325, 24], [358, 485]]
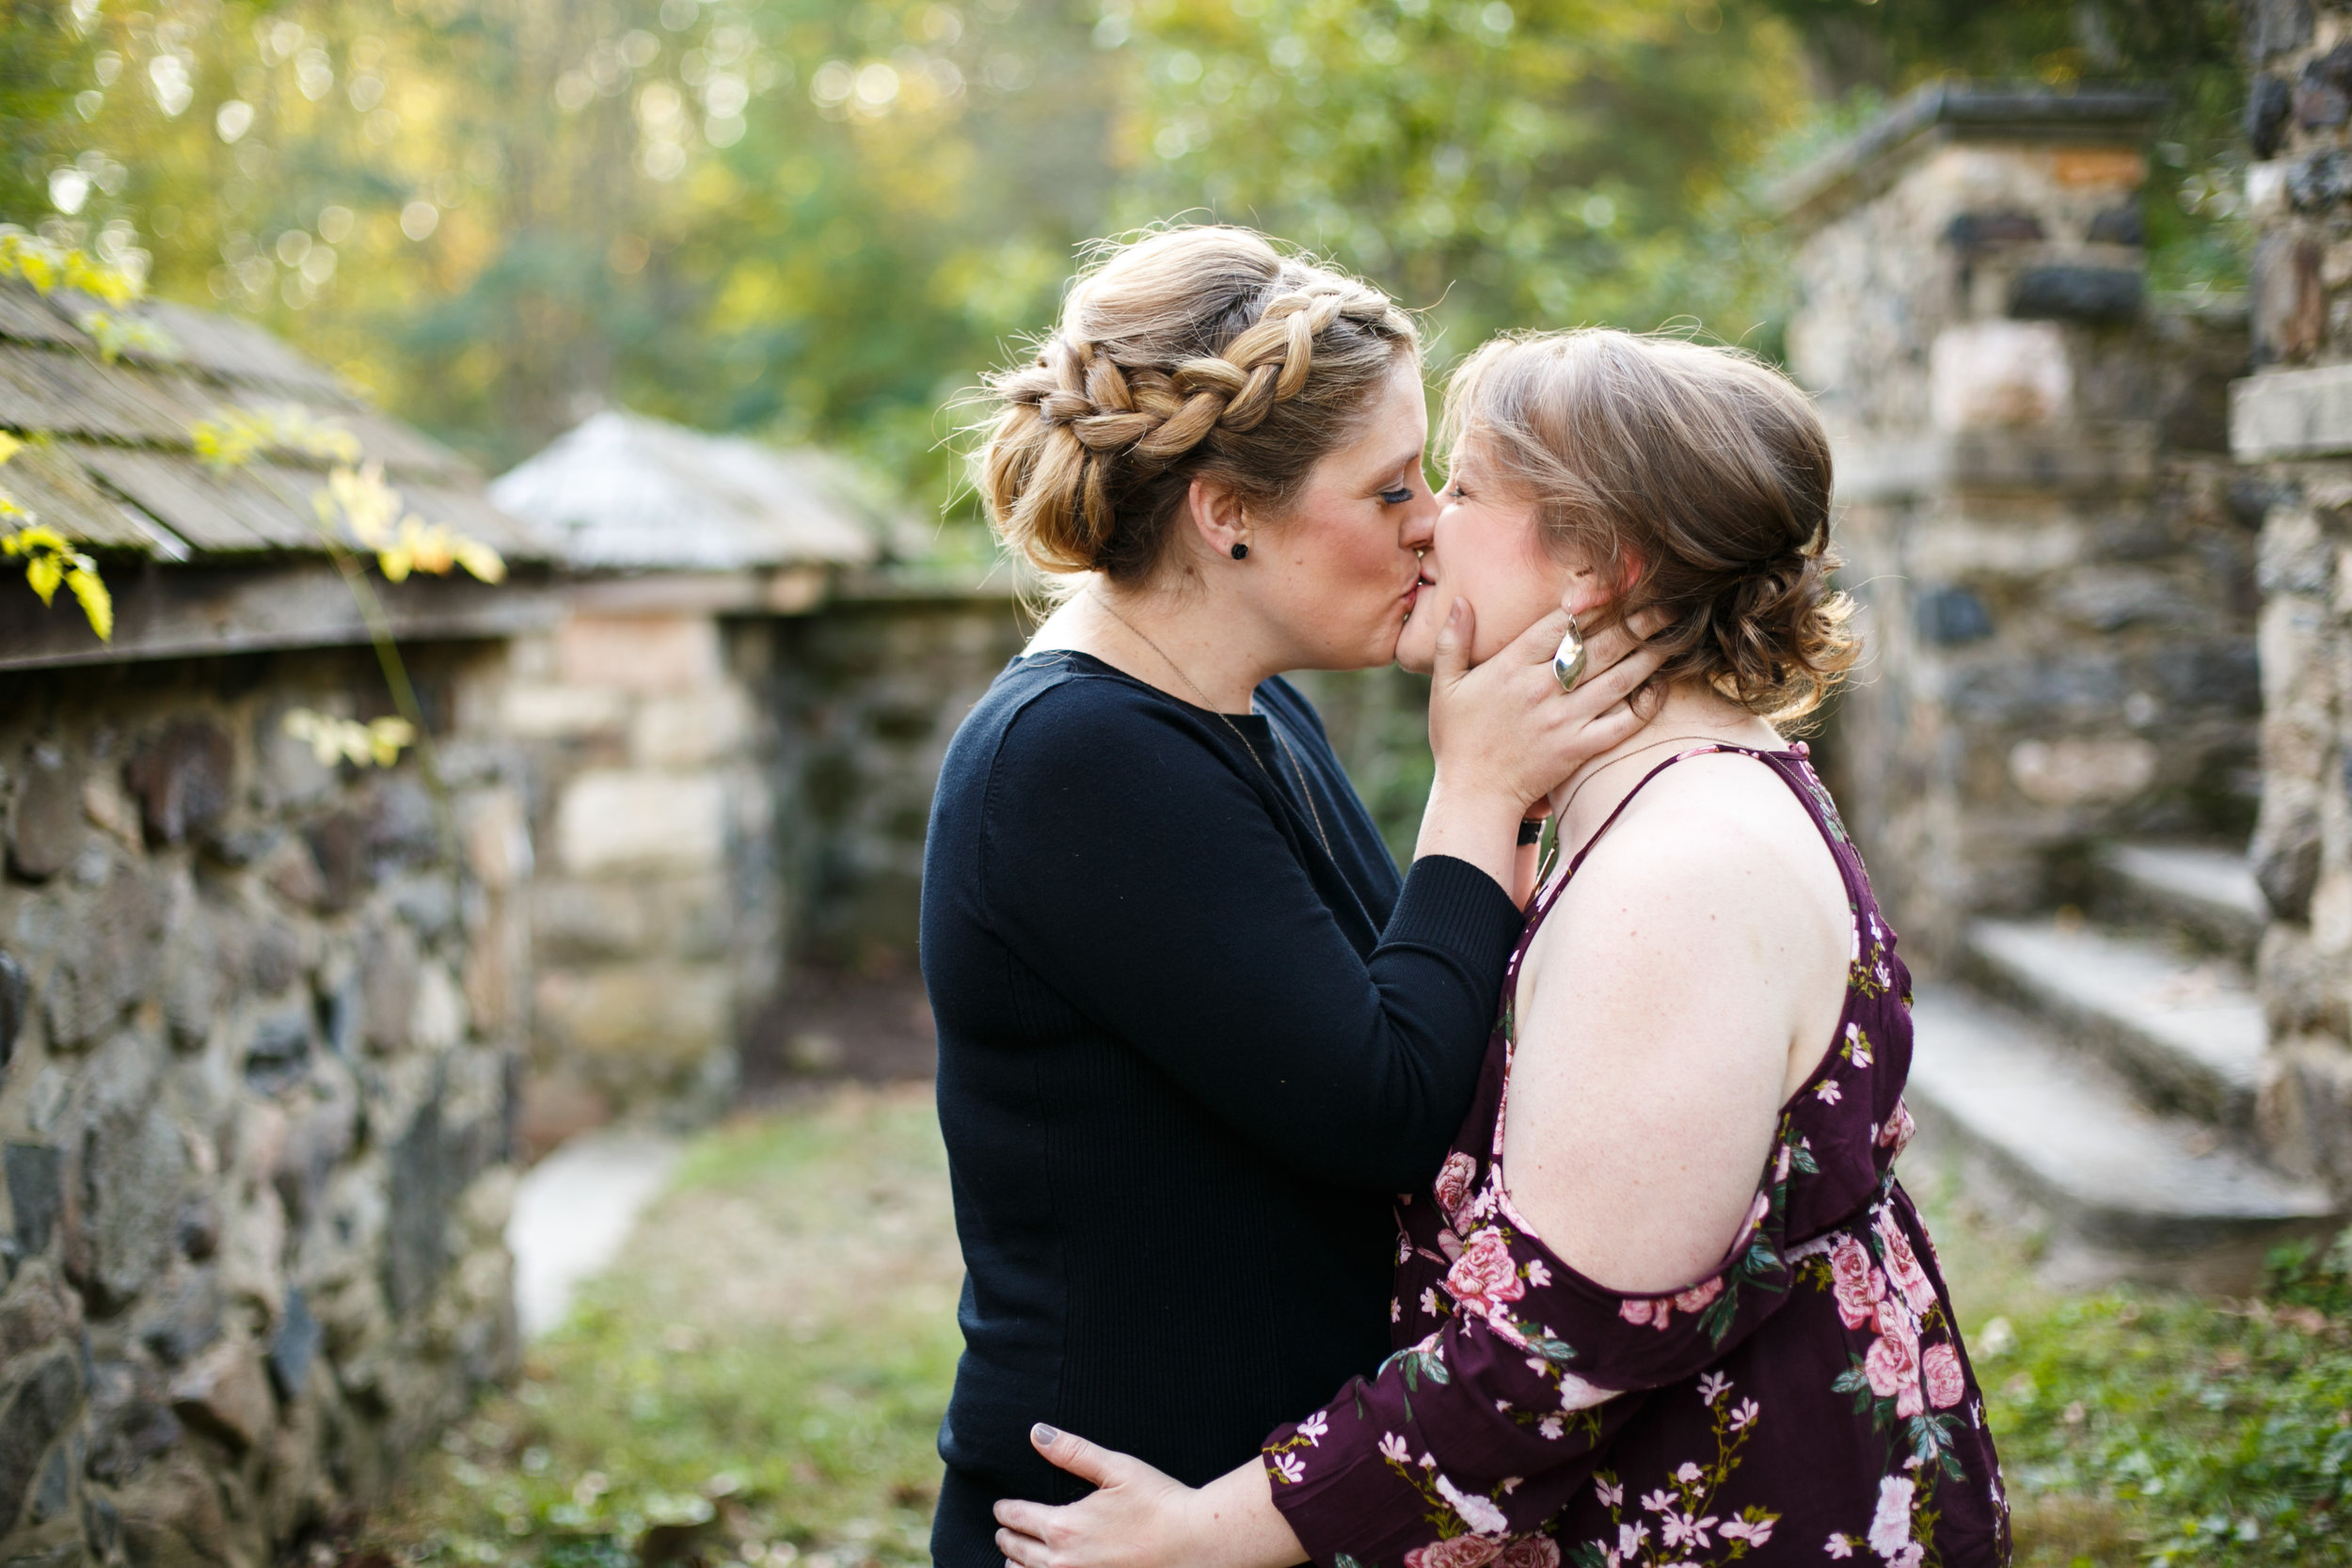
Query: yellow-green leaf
[[96, 604]]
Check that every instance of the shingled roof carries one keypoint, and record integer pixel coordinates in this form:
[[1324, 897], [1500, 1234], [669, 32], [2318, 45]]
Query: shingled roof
[[114, 463], [623, 492]]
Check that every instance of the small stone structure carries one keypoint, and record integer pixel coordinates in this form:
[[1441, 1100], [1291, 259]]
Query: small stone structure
[[2049, 758], [2291, 423], [257, 1013], [732, 728]]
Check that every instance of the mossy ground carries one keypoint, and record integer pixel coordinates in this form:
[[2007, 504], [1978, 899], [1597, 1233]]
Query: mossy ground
[[759, 1382]]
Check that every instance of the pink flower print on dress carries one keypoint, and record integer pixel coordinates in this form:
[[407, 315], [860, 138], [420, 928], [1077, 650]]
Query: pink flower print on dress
[[1890, 1526], [1896, 1134], [1287, 1465], [1534, 1551], [1855, 1281], [1939, 1369], [1454, 1185], [1827, 1091], [1840, 1545], [1902, 1264], [1485, 1275], [1704, 1291], [1756, 1533], [1474, 1511], [1463, 1551], [1892, 1362], [1857, 1045]]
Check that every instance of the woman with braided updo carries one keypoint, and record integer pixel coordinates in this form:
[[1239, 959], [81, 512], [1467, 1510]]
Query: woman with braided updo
[[1194, 1029]]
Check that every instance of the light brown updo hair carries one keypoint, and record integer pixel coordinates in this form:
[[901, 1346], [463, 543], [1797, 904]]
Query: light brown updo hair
[[1705, 465], [1192, 352]]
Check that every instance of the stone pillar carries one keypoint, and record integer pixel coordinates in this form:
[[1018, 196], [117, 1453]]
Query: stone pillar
[[2291, 423], [653, 906], [2033, 502]]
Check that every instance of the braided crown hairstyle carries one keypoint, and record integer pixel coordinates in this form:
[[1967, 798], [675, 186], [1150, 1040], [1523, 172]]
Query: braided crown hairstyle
[[1192, 352], [1705, 465]]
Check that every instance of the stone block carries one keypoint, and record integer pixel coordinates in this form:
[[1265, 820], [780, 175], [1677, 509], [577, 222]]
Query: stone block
[[2288, 305], [2122, 226], [2083, 293], [132, 1164], [1982, 230], [174, 1518], [2107, 599], [112, 957], [639, 653], [36, 1177], [226, 1392], [34, 1412], [2269, 104], [555, 1109], [278, 1053], [687, 729], [1999, 373], [294, 1347], [662, 1015], [15, 996], [46, 829], [2276, 26], [388, 986], [38, 1312], [182, 776], [573, 920], [2286, 414], [430, 1166], [130, 1420], [495, 836], [2072, 771], [179, 1317], [533, 711], [612, 821], [2304, 1108]]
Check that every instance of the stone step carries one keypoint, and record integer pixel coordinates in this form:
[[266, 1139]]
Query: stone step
[[2209, 893], [2134, 1192], [2186, 1032]]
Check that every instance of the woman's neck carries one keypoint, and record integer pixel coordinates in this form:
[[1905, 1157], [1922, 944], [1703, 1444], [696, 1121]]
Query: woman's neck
[[1689, 715], [1186, 645]]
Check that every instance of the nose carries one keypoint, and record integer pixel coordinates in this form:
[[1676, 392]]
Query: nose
[[1418, 528]]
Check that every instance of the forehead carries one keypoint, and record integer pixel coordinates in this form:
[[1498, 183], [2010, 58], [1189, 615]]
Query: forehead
[[1397, 417]]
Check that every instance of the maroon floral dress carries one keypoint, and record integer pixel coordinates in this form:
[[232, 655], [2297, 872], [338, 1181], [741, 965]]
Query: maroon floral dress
[[1808, 1399]]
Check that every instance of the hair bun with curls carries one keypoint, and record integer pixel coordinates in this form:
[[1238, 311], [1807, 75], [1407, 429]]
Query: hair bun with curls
[[1190, 352]]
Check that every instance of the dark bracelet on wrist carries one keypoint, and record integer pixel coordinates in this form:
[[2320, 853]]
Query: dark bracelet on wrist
[[1531, 831]]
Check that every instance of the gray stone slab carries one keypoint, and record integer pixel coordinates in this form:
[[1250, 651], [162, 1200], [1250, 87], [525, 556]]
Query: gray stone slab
[[2187, 1032], [2291, 414], [572, 1212], [2210, 892], [2074, 1138]]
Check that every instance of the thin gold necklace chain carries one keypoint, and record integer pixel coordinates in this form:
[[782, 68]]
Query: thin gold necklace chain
[[1305, 793]]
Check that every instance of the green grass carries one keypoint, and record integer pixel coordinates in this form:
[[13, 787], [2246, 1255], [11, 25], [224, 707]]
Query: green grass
[[2140, 1426], [758, 1381]]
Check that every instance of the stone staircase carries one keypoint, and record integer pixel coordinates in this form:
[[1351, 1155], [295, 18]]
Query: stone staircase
[[2094, 1076]]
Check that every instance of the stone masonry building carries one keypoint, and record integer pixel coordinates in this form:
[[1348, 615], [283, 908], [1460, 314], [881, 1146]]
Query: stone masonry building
[[2291, 425], [2050, 755]]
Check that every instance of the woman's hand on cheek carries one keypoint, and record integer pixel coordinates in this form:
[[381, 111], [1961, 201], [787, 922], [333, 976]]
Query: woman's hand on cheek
[[1136, 1519], [1506, 725]]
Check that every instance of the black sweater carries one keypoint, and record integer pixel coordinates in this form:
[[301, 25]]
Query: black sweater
[[1185, 1056]]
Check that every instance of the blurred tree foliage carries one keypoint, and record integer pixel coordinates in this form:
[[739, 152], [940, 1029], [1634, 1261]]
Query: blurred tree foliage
[[818, 219], [1548, 162], [1862, 51]]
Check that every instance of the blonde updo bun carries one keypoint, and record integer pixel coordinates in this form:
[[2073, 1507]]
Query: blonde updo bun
[[1704, 466], [1191, 351]]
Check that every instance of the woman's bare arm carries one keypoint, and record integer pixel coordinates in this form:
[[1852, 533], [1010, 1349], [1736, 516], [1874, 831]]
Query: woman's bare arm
[[1697, 946]]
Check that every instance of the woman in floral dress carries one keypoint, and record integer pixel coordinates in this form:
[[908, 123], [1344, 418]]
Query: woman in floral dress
[[1693, 1094]]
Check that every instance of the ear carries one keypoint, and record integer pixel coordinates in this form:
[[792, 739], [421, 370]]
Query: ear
[[1586, 587], [1217, 516]]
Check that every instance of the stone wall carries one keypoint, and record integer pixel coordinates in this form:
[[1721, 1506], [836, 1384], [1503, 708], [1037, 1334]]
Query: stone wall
[[2292, 424], [2038, 516], [257, 1023], [656, 911], [867, 692]]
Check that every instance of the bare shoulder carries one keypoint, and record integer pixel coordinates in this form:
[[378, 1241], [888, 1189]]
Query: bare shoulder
[[1708, 838]]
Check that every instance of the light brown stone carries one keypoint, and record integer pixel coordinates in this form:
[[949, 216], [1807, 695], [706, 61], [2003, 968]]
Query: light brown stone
[[664, 1014], [226, 1392], [667, 653], [615, 820], [2072, 771]]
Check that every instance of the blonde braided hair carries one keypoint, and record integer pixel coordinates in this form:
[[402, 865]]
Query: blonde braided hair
[[1193, 351]]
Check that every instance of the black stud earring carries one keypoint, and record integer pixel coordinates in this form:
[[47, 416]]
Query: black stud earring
[[1241, 551]]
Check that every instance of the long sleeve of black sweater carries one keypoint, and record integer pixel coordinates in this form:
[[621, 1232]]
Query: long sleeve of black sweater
[[1134, 855]]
